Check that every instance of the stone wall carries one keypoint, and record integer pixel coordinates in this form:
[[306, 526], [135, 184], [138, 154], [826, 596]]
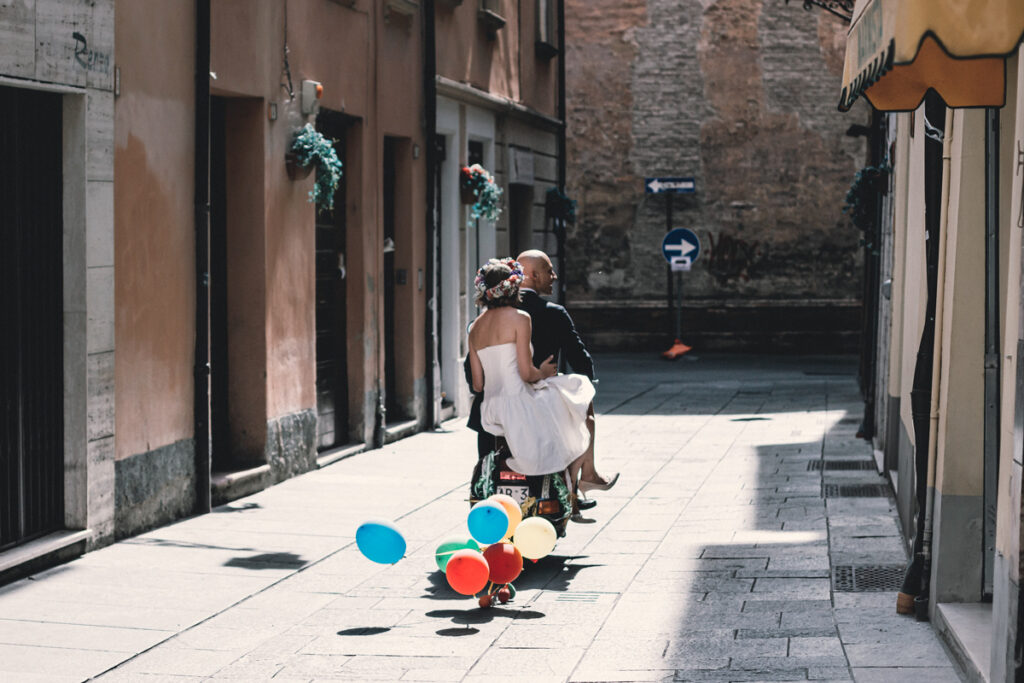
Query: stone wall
[[66, 47], [740, 95]]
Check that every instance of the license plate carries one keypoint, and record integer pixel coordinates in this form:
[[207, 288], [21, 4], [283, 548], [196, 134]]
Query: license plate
[[518, 493]]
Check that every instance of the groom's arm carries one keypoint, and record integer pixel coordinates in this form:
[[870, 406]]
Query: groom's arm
[[570, 344]]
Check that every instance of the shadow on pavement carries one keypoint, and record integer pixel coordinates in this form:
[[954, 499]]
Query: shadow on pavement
[[364, 631], [237, 507], [479, 615], [268, 561]]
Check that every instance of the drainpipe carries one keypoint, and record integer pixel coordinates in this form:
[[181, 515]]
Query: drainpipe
[[430, 124], [560, 224], [921, 602], [992, 361], [201, 398]]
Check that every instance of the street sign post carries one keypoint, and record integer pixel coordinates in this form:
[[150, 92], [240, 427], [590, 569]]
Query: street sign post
[[672, 185], [680, 242], [680, 247]]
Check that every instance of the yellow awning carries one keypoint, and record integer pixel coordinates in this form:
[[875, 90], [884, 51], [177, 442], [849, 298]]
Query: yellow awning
[[897, 49]]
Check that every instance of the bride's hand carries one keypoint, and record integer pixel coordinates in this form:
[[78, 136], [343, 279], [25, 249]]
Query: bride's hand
[[548, 367]]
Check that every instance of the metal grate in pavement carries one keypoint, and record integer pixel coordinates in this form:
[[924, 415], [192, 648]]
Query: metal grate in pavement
[[856, 491], [568, 596], [816, 465], [867, 577]]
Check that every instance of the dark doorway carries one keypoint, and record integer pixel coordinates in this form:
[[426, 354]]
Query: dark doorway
[[331, 329], [520, 229], [219, 421], [32, 321], [392, 405]]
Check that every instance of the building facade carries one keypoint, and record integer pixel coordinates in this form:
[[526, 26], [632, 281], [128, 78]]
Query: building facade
[[57, 449], [949, 392], [503, 114], [222, 332], [736, 95]]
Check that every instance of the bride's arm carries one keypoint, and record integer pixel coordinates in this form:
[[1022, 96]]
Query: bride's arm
[[524, 357], [476, 369]]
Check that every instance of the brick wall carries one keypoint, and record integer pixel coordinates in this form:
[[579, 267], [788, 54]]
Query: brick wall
[[740, 95]]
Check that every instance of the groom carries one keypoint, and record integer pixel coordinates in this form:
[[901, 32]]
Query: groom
[[553, 335]]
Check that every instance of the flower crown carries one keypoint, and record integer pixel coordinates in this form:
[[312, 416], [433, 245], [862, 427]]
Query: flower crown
[[506, 287]]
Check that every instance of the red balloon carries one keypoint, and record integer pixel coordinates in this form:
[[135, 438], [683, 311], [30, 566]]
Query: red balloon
[[505, 561], [467, 572]]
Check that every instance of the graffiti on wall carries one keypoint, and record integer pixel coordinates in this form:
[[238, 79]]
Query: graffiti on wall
[[90, 60], [733, 257]]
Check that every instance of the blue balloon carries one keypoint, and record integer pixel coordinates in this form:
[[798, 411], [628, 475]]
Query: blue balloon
[[488, 522], [381, 541]]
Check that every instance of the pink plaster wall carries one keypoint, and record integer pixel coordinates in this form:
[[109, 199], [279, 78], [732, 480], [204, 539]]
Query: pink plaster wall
[[153, 225]]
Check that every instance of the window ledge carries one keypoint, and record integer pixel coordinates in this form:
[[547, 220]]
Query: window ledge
[[545, 50], [491, 20]]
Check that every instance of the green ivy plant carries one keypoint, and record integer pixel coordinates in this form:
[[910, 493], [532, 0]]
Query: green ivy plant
[[869, 184], [313, 148], [559, 206], [476, 179]]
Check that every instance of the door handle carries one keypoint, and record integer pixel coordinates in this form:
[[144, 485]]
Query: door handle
[[341, 266]]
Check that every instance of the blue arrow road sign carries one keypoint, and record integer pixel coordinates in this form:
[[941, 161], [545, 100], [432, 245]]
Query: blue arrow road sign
[[675, 185], [680, 242]]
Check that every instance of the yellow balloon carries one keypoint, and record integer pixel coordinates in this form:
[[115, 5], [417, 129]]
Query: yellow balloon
[[515, 513], [535, 537]]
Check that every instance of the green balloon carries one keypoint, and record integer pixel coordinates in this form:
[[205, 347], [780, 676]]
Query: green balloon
[[452, 545]]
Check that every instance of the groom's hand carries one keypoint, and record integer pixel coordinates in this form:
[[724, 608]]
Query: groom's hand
[[548, 367]]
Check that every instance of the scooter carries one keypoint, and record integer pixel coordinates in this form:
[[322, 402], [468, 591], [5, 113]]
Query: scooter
[[545, 495]]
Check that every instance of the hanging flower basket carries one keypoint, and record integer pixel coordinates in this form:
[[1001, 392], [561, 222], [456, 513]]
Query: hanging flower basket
[[312, 149], [296, 171], [477, 187]]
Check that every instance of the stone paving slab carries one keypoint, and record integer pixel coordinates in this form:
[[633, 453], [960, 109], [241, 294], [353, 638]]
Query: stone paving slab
[[710, 560]]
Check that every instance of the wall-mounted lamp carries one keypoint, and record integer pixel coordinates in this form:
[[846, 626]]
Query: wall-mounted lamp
[[272, 111], [312, 91]]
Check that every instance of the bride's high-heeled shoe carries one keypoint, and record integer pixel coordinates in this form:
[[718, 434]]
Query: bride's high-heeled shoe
[[585, 485]]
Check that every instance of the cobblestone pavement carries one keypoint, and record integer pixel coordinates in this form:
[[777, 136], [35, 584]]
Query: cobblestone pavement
[[711, 560]]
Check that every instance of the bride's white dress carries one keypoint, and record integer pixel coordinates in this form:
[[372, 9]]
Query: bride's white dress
[[544, 423]]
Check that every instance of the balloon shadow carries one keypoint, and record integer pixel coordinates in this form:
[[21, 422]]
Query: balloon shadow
[[364, 631], [456, 632], [480, 615], [549, 573], [439, 588]]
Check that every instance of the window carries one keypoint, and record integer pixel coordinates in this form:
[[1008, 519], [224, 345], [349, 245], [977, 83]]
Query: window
[[547, 29]]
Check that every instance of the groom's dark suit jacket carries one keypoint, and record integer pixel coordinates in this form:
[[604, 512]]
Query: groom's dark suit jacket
[[553, 334]]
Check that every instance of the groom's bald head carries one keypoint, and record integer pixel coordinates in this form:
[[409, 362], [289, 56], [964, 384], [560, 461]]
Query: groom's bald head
[[538, 273]]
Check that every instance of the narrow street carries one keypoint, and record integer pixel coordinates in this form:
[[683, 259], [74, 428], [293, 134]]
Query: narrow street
[[715, 558]]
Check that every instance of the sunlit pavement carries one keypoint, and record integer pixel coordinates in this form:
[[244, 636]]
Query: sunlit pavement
[[712, 559]]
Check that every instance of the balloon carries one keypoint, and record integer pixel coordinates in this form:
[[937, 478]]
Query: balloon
[[515, 513], [381, 541], [467, 572], [488, 522], [505, 562], [449, 546], [535, 537]]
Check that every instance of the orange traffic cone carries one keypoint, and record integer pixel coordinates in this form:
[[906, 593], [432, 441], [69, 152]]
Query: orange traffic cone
[[677, 349]]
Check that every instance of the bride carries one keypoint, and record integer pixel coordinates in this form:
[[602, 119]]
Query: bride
[[541, 415]]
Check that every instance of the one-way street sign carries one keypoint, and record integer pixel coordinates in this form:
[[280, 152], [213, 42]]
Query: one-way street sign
[[674, 185], [680, 242]]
